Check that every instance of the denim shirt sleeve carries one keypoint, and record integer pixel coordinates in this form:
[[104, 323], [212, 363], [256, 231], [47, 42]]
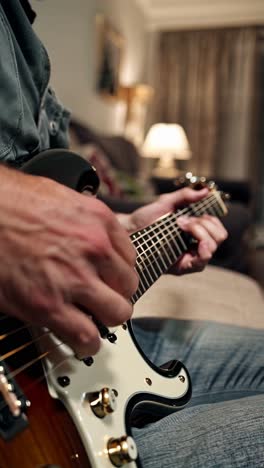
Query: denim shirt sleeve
[[31, 117], [11, 110]]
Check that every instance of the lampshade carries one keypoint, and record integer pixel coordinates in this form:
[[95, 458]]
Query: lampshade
[[166, 140]]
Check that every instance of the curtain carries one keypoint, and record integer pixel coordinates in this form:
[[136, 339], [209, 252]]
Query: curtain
[[205, 83]]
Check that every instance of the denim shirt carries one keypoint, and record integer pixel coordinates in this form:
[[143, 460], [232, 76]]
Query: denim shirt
[[31, 118]]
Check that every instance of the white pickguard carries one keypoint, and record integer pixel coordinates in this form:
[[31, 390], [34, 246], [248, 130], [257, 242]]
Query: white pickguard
[[118, 366]]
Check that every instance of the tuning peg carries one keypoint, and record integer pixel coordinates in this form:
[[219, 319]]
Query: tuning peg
[[202, 180], [212, 185], [188, 175], [225, 196]]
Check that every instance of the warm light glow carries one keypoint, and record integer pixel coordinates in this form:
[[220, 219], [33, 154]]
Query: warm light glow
[[166, 141]]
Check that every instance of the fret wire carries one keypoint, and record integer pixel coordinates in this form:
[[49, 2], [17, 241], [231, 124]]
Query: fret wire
[[209, 202], [164, 237], [173, 260], [213, 204], [152, 226], [178, 231], [156, 257], [164, 249], [175, 230], [206, 202], [151, 264], [141, 256], [217, 209], [146, 274], [171, 223], [141, 272], [150, 247], [139, 286], [171, 238]]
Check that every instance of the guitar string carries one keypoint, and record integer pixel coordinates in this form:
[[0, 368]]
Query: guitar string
[[173, 230], [40, 357], [196, 207], [141, 261], [12, 332], [139, 291], [181, 212], [209, 202], [159, 221], [170, 223], [184, 210], [24, 346], [31, 363]]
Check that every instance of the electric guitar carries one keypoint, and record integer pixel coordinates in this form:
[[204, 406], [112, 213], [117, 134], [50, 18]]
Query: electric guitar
[[80, 413]]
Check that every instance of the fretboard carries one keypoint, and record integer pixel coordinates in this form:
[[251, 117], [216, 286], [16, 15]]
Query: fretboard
[[161, 244]]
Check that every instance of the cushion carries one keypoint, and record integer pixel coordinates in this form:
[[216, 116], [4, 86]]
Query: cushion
[[214, 294]]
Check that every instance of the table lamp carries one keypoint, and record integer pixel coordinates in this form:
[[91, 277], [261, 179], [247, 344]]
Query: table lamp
[[168, 142]]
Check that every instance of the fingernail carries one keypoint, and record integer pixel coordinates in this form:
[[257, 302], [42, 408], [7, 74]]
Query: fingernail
[[183, 220]]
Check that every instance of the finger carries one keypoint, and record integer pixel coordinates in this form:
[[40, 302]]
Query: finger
[[197, 230], [104, 303], [122, 243], [214, 227], [204, 253], [184, 197], [189, 264], [116, 233], [118, 274], [215, 230], [75, 329]]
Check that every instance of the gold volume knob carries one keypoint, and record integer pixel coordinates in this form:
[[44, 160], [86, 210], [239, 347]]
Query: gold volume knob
[[103, 402], [122, 451]]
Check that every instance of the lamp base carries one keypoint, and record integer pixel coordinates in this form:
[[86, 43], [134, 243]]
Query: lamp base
[[163, 173], [166, 168]]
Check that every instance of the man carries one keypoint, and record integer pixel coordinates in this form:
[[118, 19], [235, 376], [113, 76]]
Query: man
[[60, 249]]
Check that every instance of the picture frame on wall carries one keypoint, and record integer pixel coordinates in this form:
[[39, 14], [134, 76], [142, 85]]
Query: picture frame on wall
[[110, 45]]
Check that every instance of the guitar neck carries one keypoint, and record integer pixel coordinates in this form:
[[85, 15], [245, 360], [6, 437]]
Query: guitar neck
[[161, 244]]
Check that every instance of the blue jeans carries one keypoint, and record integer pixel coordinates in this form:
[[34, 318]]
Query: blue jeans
[[223, 425]]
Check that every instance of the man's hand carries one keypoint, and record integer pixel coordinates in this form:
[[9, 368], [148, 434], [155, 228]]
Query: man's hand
[[208, 230], [62, 252]]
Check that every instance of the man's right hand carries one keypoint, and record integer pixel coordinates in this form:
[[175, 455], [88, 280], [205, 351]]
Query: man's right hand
[[60, 252]]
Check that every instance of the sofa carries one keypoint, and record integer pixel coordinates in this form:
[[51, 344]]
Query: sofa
[[224, 291], [215, 294], [123, 189]]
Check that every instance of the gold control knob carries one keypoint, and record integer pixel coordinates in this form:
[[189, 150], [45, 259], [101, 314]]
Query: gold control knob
[[122, 451], [103, 402]]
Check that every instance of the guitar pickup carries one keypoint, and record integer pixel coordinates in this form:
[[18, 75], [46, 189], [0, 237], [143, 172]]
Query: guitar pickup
[[13, 405]]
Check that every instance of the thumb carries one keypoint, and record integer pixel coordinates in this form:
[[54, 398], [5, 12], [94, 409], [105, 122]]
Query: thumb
[[185, 197]]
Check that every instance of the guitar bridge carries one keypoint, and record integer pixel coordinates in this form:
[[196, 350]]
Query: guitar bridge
[[13, 405]]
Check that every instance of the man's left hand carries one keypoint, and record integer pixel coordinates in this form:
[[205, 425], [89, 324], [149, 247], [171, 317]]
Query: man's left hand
[[207, 230]]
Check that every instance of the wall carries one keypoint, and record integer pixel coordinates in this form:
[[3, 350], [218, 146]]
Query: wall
[[67, 29]]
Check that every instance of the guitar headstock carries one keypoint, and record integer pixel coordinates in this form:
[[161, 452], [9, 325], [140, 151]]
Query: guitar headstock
[[199, 182]]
